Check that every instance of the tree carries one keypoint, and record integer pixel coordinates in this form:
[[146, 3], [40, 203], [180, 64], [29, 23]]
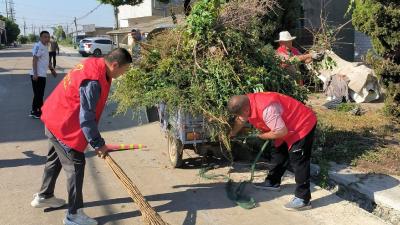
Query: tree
[[22, 39], [116, 4], [285, 17], [33, 38], [196, 67], [12, 30], [380, 19], [59, 33]]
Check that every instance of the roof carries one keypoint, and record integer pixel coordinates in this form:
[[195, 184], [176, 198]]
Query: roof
[[149, 26]]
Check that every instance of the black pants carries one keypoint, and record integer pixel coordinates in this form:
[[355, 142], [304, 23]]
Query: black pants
[[299, 158], [52, 57], [73, 163], [38, 87]]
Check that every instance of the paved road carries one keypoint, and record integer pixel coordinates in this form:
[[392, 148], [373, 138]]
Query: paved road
[[179, 195]]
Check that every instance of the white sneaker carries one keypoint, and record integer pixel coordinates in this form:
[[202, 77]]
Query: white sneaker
[[40, 202], [80, 218]]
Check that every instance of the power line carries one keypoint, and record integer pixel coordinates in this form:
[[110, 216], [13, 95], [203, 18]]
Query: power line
[[90, 12]]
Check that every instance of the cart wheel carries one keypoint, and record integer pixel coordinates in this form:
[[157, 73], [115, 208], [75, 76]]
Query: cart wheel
[[175, 150]]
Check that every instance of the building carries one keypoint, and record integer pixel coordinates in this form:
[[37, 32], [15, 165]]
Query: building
[[351, 45], [145, 17], [98, 31]]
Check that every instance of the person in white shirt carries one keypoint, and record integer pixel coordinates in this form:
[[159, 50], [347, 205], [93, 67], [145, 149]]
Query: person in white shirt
[[40, 65]]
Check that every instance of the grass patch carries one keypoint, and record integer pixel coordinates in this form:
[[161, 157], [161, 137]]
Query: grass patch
[[66, 42], [369, 142], [345, 107]]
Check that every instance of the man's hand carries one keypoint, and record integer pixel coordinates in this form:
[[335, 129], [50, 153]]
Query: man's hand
[[102, 151], [53, 72], [317, 55], [35, 77]]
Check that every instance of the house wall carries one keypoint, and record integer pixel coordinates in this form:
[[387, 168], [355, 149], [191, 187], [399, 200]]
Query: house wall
[[362, 43], [99, 31], [149, 8], [141, 10], [334, 11]]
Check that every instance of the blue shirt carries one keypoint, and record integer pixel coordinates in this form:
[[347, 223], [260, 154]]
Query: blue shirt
[[89, 93]]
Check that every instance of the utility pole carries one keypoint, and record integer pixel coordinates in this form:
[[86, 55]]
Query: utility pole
[[76, 26], [76, 34], [12, 10], [6, 8], [24, 27]]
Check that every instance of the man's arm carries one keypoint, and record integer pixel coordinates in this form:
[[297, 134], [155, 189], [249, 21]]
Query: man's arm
[[34, 67], [273, 120], [307, 58], [36, 54], [89, 96], [58, 49]]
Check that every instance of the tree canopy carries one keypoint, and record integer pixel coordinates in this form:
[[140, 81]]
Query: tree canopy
[[12, 30], [380, 19]]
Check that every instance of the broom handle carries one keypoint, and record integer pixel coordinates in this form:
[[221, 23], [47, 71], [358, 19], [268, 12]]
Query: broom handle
[[151, 217]]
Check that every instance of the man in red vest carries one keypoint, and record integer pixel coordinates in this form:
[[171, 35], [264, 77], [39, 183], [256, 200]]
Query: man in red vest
[[291, 125], [70, 115]]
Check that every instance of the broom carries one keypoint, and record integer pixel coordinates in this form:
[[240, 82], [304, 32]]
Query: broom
[[120, 147], [150, 216]]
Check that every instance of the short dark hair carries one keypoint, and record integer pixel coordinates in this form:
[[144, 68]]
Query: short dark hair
[[119, 55], [238, 103], [44, 32]]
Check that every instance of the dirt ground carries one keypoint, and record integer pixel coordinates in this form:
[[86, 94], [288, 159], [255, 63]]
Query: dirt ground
[[369, 142]]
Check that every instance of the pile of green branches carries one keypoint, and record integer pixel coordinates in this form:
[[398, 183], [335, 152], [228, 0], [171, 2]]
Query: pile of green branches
[[199, 65]]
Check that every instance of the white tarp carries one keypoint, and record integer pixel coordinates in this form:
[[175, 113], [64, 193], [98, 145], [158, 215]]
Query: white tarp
[[363, 84]]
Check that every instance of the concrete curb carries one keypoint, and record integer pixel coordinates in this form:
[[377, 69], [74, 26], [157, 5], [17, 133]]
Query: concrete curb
[[381, 189]]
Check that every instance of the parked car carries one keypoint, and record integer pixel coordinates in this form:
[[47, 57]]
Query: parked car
[[96, 46]]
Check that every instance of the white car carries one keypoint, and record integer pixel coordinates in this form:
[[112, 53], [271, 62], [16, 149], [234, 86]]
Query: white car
[[96, 46]]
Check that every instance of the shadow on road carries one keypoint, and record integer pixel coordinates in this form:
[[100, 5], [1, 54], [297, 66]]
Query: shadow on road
[[200, 197], [31, 160]]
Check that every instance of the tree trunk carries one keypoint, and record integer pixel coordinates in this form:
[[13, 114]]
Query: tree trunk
[[116, 24], [116, 17]]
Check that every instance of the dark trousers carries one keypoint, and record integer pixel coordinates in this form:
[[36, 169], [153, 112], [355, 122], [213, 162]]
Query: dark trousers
[[299, 158], [52, 57], [73, 163], [38, 87]]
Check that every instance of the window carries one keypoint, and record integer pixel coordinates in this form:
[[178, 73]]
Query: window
[[102, 41]]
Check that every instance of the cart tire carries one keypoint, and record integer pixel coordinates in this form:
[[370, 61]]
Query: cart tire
[[175, 150]]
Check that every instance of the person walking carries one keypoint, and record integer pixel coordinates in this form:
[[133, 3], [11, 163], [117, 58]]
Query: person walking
[[70, 116], [291, 125], [54, 50], [38, 74]]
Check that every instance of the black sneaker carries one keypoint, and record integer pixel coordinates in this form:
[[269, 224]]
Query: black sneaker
[[267, 185], [34, 115]]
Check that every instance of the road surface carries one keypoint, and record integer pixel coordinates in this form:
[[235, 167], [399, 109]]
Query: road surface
[[179, 195]]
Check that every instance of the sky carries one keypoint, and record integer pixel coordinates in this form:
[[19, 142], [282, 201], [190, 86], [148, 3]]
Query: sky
[[48, 13]]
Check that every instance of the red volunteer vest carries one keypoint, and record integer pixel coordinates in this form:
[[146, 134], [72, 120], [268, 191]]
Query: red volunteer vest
[[60, 112], [282, 50], [299, 119]]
